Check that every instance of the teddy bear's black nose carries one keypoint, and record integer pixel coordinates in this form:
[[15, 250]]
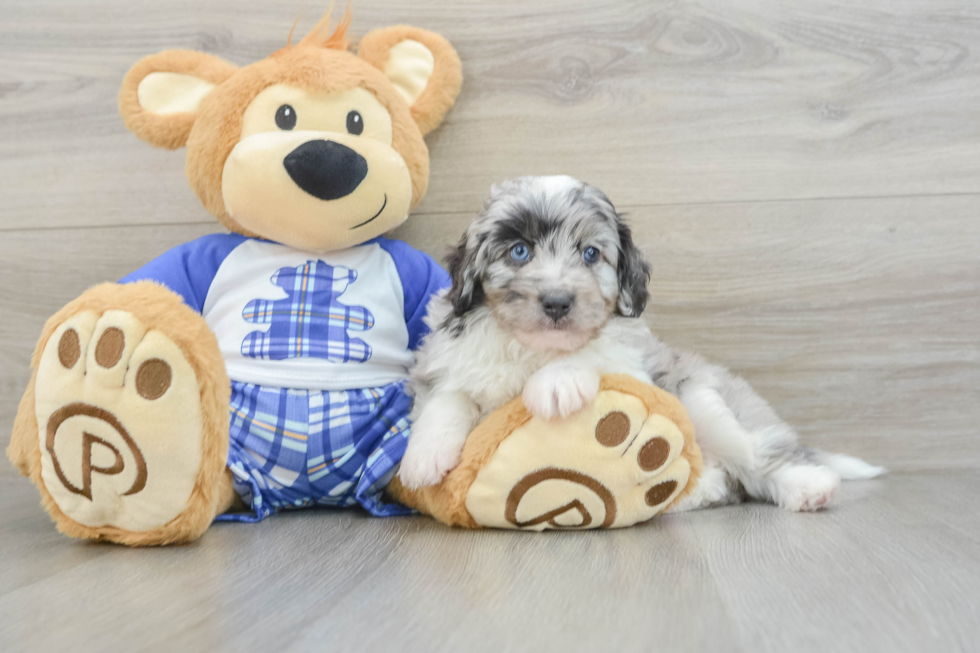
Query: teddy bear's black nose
[[325, 169]]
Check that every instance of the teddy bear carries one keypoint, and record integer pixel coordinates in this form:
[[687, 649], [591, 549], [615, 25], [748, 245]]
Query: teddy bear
[[264, 369]]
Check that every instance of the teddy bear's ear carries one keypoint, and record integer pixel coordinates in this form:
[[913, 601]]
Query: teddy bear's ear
[[422, 66], [160, 95]]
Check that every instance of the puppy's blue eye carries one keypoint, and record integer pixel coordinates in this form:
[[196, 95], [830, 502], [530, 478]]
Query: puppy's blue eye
[[520, 252], [590, 255]]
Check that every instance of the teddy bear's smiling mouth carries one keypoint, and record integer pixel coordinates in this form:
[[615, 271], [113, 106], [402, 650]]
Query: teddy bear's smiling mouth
[[371, 219]]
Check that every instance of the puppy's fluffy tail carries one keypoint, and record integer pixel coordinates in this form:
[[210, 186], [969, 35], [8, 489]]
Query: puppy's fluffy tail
[[848, 467]]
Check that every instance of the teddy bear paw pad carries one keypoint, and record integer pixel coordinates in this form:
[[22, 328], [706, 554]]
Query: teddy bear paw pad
[[610, 465], [119, 422]]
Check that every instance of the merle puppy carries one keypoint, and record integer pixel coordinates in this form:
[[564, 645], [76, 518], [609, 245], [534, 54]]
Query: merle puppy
[[546, 297]]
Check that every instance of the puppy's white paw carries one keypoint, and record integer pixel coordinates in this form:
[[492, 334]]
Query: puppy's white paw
[[559, 391], [427, 460], [435, 445], [806, 488], [421, 468]]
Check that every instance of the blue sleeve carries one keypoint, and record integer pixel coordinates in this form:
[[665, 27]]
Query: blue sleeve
[[421, 278], [189, 269]]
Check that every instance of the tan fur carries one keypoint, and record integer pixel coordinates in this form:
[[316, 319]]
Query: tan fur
[[157, 308], [320, 64], [439, 95], [447, 501], [219, 124], [169, 131], [318, 36]]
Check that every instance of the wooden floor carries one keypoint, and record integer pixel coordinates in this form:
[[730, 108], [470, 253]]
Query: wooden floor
[[805, 178], [894, 567]]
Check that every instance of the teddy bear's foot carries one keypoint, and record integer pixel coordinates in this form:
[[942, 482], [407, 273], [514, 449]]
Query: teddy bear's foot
[[123, 425], [613, 464]]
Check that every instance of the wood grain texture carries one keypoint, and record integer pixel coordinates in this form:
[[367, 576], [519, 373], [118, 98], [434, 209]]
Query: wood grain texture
[[883, 570], [875, 574], [653, 100], [805, 178]]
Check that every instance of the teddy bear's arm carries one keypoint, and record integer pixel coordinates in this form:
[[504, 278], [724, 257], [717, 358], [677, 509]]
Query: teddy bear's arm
[[422, 278], [189, 269]]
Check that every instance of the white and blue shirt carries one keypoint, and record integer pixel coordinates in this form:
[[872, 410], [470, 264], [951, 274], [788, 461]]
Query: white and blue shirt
[[291, 319]]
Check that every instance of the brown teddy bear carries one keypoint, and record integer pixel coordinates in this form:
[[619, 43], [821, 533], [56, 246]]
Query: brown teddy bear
[[263, 369]]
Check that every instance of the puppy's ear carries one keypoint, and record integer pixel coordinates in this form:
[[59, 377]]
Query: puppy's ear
[[467, 291], [634, 274], [423, 67], [160, 95]]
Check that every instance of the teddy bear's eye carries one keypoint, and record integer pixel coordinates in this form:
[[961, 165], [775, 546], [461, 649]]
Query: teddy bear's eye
[[355, 124], [286, 117]]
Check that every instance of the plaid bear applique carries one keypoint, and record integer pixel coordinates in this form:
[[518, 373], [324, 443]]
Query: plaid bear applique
[[311, 322]]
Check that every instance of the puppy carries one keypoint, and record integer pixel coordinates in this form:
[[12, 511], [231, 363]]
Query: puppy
[[547, 292]]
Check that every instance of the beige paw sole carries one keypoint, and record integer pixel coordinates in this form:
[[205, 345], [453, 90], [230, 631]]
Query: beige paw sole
[[609, 466], [119, 422]]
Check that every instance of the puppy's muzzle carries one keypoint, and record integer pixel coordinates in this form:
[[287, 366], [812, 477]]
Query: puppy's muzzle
[[325, 169], [557, 305]]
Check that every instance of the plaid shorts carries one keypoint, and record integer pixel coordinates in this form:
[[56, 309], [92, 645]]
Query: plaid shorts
[[299, 448]]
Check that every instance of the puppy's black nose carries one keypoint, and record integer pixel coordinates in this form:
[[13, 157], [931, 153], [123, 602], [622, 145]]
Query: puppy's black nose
[[556, 306], [325, 169]]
